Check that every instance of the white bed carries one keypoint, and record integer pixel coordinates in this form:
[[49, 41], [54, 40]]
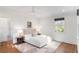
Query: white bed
[[38, 40]]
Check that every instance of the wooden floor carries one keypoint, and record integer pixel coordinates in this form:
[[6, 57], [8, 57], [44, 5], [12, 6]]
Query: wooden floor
[[66, 48], [8, 47]]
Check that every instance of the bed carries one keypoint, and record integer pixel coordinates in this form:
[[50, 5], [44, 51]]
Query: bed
[[37, 40]]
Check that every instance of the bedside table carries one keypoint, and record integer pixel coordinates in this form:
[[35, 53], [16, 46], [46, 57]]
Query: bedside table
[[20, 40]]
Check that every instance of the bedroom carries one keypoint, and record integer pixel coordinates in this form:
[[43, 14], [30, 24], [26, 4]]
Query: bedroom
[[32, 29]]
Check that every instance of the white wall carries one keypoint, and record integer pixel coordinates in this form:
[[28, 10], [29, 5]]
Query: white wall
[[70, 27], [21, 22], [47, 25]]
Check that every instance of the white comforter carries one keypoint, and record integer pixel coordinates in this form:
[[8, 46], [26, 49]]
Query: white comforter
[[38, 40]]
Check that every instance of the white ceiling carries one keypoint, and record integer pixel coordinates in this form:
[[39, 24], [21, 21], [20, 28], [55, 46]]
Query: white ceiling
[[35, 11]]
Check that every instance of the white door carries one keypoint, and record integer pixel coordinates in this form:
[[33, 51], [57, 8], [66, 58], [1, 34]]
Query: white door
[[3, 29]]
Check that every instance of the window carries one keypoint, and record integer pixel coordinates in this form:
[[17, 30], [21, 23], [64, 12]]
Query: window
[[59, 24]]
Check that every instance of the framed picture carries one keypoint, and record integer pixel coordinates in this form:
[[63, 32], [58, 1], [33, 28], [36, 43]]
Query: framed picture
[[29, 24]]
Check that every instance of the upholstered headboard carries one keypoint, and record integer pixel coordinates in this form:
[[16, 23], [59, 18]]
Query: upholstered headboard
[[29, 31]]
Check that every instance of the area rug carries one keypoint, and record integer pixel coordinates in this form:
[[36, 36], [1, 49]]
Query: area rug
[[27, 48]]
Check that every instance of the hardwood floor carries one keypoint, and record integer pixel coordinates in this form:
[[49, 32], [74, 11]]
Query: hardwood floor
[[8, 47], [66, 48]]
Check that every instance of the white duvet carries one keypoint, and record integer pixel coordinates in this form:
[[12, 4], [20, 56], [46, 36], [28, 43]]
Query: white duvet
[[38, 40]]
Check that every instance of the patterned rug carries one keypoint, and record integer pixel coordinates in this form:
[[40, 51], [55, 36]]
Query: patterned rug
[[28, 48]]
